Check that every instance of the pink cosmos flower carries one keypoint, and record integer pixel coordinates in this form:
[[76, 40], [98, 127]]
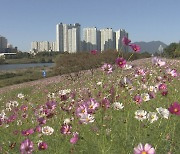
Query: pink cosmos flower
[[138, 99], [51, 105], [24, 108], [94, 52], [41, 120], [42, 146], [27, 132], [121, 62], [66, 129], [38, 129], [92, 105], [82, 109], [162, 86], [26, 147], [140, 71], [125, 41], [158, 62], [135, 47], [174, 108], [75, 138], [164, 92], [105, 103], [107, 68], [144, 149], [172, 72]]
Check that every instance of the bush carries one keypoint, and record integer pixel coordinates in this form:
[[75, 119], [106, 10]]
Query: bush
[[67, 63]]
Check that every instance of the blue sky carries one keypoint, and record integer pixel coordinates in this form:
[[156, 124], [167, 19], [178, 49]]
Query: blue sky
[[24, 21]]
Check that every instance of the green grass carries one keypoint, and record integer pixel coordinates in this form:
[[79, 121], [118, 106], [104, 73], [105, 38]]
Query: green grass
[[24, 75], [113, 131]]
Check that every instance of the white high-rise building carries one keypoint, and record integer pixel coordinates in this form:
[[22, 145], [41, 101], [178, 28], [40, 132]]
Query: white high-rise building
[[34, 46], [3, 43], [43, 46], [52, 46], [107, 39], [68, 37], [119, 36], [90, 39]]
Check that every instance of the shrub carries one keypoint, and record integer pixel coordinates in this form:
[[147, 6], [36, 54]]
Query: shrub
[[67, 63]]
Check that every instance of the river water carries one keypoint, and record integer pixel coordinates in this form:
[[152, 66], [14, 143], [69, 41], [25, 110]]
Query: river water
[[6, 67]]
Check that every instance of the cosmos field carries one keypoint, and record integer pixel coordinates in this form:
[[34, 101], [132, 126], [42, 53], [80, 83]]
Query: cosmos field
[[130, 107]]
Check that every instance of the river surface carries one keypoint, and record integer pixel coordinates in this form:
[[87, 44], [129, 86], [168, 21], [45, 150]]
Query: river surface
[[5, 67]]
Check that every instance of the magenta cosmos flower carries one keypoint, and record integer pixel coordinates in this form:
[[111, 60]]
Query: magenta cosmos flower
[[121, 62], [174, 108], [125, 41], [135, 47], [26, 147], [105, 103], [42, 146], [66, 129], [27, 132], [93, 52], [144, 149], [138, 99], [162, 86]]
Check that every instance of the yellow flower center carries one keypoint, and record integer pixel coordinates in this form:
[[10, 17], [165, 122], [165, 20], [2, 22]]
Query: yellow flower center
[[144, 152], [152, 117], [90, 106], [120, 63]]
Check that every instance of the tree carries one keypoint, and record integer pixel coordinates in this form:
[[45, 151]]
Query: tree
[[177, 51], [170, 50]]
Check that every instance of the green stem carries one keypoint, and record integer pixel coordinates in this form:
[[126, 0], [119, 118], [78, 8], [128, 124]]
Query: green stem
[[173, 137], [130, 56]]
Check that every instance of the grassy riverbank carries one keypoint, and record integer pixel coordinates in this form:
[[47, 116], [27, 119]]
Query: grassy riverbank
[[23, 75], [87, 106]]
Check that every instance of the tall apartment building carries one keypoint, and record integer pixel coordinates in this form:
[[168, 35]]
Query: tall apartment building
[[43, 46], [90, 38], [107, 39], [3, 43], [52, 46], [119, 36], [68, 37]]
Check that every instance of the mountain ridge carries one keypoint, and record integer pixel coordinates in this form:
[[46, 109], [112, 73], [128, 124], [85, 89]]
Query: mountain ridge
[[150, 47]]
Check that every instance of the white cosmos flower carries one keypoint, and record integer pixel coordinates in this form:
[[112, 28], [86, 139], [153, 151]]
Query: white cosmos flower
[[145, 97], [152, 116], [152, 89], [64, 92], [144, 86], [163, 112], [51, 95], [14, 103], [46, 130], [20, 95], [99, 83], [67, 121], [3, 115], [8, 105], [127, 67], [86, 118], [140, 115], [117, 106]]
